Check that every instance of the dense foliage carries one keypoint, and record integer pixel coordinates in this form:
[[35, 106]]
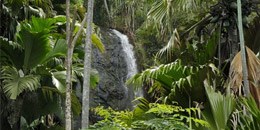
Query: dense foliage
[[188, 53]]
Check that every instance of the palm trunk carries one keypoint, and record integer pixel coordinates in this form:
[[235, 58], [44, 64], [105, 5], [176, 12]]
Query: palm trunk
[[16, 113], [87, 67], [68, 72], [242, 46]]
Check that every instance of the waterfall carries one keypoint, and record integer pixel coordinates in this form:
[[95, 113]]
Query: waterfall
[[129, 59]]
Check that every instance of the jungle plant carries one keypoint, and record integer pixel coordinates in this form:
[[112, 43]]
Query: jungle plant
[[149, 116], [183, 72], [36, 70], [249, 121], [218, 108]]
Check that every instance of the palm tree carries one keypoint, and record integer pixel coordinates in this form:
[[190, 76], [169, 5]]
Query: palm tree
[[33, 49]]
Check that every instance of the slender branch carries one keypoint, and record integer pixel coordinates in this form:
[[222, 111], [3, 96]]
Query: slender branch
[[242, 46], [68, 21], [73, 22], [79, 31], [108, 13]]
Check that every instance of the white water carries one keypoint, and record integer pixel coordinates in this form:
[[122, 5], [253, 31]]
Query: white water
[[129, 58]]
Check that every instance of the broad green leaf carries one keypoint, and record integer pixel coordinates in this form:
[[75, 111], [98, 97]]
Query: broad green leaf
[[15, 82], [36, 46], [59, 80], [41, 24], [60, 49], [219, 109], [7, 49]]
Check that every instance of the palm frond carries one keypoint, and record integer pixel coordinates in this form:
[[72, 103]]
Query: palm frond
[[218, 108], [7, 49], [164, 14], [236, 74], [35, 42], [169, 75], [60, 49], [173, 43], [15, 82]]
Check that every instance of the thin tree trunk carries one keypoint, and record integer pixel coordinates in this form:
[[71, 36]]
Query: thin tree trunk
[[242, 46], [0, 71], [108, 13], [87, 67], [233, 42], [68, 71]]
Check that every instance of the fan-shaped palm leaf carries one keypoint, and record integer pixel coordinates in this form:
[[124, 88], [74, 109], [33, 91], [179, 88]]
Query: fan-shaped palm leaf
[[34, 38], [59, 49], [36, 46], [8, 56], [163, 11], [218, 109], [15, 82], [236, 74]]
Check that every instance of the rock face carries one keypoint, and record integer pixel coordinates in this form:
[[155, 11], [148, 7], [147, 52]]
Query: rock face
[[111, 90]]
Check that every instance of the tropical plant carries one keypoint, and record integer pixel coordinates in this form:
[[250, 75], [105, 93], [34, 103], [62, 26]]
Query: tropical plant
[[15, 11], [249, 121], [37, 63], [218, 108], [172, 80], [236, 74], [149, 116]]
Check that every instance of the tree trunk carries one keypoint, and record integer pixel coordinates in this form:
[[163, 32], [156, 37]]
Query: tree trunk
[[87, 67], [68, 72], [233, 42], [108, 13], [16, 113], [242, 46]]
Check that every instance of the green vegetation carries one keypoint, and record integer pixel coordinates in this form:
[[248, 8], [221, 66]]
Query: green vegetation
[[188, 54]]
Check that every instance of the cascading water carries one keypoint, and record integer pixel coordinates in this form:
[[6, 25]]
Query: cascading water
[[129, 59]]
